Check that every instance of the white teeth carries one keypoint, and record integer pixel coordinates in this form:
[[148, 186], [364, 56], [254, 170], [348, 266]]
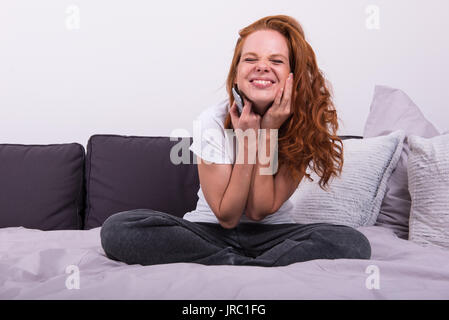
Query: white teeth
[[262, 82]]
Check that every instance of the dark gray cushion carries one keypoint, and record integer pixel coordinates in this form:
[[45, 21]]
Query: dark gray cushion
[[128, 172], [41, 186]]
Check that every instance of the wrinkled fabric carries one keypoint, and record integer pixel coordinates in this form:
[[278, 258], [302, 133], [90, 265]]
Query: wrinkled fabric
[[33, 265]]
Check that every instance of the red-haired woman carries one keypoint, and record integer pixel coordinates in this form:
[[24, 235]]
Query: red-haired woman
[[243, 212]]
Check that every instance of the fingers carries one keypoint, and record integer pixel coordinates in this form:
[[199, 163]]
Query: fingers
[[246, 106], [283, 96], [277, 100], [233, 109], [233, 112], [288, 91]]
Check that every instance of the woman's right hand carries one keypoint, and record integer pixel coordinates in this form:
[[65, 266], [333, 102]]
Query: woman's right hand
[[247, 120]]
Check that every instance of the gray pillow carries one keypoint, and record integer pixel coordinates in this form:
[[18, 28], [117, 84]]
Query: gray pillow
[[354, 198], [391, 109], [131, 172], [428, 177]]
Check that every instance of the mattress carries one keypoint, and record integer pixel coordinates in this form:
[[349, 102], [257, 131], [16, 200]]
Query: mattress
[[71, 264]]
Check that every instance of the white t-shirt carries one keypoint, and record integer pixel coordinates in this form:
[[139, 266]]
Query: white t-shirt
[[211, 142]]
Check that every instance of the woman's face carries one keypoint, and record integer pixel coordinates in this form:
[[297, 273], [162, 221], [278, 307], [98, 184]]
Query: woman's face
[[264, 57]]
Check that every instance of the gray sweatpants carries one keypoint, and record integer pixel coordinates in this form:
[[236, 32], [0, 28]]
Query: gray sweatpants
[[149, 237]]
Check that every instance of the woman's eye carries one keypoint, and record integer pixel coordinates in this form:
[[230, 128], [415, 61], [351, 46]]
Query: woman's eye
[[275, 61]]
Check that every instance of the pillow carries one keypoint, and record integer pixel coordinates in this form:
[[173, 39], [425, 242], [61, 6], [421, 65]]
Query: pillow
[[42, 186], [354, 198], [391, 109], [428, 178], [127, 172]]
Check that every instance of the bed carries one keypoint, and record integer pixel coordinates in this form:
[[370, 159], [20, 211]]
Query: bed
[[36, 264]]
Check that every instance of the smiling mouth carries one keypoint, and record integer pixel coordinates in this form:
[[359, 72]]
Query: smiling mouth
[[261, 84]]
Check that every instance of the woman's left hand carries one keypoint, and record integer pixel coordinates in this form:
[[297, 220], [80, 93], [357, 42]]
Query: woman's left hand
[[280, 110]]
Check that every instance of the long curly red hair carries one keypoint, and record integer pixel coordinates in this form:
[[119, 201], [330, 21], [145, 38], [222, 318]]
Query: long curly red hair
[[309, 137]]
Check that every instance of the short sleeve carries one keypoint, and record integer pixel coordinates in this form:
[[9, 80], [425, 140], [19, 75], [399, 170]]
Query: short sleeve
[[210, 141]]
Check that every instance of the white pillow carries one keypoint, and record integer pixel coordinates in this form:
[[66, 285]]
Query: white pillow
[[355, 197], [428, 179]]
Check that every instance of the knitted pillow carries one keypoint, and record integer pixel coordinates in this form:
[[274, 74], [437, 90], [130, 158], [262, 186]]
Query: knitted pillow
[[392, 109], [428, 180], [354, 198]]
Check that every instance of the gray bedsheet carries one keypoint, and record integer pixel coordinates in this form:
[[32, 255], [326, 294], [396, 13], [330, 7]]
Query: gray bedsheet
[[44, 265]]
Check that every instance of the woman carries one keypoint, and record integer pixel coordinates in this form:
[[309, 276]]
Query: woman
[[242, 216]]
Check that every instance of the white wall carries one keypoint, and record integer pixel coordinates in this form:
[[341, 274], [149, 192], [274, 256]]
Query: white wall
[[148, 68]]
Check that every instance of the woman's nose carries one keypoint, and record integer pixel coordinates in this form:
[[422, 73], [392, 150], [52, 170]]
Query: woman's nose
[[261, 66]]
